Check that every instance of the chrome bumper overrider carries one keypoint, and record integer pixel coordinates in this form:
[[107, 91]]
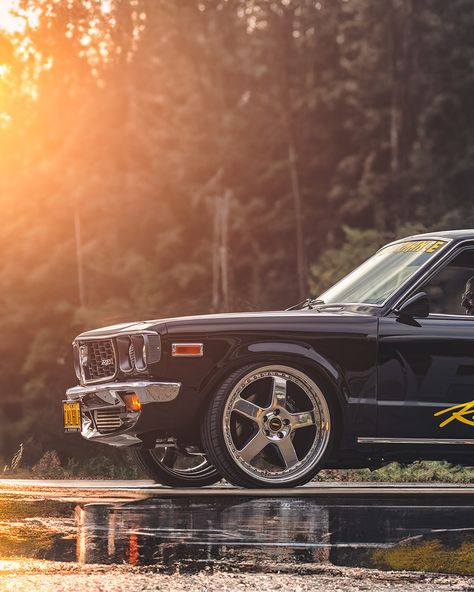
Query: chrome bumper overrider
[[104, 414]]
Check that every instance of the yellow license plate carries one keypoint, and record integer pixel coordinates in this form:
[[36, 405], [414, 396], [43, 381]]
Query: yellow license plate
[[72, 416]]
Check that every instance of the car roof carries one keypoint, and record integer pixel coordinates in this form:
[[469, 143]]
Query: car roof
[[452, 234], [455, 235]]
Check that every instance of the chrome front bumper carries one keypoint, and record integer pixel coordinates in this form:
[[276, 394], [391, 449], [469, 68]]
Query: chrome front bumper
[[105, 417]]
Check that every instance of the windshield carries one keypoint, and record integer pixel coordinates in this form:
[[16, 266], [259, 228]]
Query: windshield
[[381, 275]]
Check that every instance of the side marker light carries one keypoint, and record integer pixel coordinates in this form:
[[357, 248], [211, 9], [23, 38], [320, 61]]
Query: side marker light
[[187, 350]]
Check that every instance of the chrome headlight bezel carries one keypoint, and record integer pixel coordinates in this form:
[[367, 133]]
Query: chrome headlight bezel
[[77, 360], [136, 351], [133, 353]]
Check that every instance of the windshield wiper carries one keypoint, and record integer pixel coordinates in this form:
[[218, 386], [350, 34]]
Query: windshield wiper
[[307, 303], [314, 302]]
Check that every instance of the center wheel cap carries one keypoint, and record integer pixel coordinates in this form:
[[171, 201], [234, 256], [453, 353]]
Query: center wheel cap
[[275, 424]]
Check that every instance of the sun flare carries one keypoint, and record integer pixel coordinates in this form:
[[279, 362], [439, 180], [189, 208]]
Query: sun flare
[[20, 62], [14, 19]]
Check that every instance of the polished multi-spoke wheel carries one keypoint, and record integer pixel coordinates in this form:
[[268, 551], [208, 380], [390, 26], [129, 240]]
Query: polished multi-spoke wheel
[[268, 426], [177, 468]]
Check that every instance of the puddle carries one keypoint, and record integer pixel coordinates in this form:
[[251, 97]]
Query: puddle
[[41, 529], [427, 534]]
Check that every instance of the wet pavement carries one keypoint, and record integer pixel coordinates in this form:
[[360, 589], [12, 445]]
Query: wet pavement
[[391, 534], [395, 530]]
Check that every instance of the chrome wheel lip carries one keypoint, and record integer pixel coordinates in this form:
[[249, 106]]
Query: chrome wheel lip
[[322, 422]]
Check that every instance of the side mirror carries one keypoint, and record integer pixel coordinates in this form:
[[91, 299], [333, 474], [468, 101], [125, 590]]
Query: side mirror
[[416, 306]]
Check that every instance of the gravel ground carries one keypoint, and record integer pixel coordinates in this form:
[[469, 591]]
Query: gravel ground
[[58, 577]]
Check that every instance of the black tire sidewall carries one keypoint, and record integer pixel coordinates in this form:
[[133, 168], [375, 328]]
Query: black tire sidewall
[[214, 442], [159, 474]]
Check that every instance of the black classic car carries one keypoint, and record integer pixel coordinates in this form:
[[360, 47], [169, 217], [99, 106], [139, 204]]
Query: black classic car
[[378, 368]]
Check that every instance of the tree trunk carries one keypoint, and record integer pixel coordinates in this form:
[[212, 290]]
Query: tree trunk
[[298, 210], [79, 259], [220, 253], [287, 105]]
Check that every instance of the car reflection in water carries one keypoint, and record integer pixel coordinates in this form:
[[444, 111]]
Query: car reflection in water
[[423, 533]]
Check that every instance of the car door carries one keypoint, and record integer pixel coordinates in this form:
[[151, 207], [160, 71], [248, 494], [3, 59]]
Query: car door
[[425, 383]]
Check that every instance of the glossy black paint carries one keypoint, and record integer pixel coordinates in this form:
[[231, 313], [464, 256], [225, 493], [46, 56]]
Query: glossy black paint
[[323, 345], [421, 368], [389, 374]]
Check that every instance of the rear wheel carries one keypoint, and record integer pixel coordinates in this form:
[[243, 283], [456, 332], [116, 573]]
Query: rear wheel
[[268, 426], [176, 468]]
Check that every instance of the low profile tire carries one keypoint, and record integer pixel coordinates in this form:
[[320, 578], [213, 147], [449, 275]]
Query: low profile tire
[[174, 468], [268, 426]]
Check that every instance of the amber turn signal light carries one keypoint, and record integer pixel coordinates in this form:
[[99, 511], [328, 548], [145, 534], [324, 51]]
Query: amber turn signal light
[[187, 350], [132, 402]]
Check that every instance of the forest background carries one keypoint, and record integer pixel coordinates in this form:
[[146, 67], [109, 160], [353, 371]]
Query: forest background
[[166, 157]]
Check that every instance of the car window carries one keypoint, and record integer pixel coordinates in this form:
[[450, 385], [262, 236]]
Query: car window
[[446, 288], [381, 275]]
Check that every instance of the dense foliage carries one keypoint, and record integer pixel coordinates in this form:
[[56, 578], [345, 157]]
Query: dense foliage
[[203, 155]]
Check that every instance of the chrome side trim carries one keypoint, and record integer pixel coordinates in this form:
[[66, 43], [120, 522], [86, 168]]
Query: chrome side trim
[[462, 316], [454, 441], [147, 391]]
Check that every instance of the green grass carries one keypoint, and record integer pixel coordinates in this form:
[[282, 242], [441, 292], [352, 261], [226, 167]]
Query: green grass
[[102, 467], [97, 467], [429, 556], [417, 472]]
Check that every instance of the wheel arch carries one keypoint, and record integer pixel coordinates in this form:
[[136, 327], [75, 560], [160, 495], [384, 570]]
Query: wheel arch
[[301, 357]]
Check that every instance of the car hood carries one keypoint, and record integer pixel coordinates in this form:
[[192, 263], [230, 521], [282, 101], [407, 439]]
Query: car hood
[[227, 321]]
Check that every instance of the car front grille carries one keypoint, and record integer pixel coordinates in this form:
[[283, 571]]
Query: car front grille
[[108, 420], [100, 362]]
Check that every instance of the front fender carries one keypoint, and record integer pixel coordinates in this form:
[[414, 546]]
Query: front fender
[[298, 355], [346, 384], [301, 352]]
